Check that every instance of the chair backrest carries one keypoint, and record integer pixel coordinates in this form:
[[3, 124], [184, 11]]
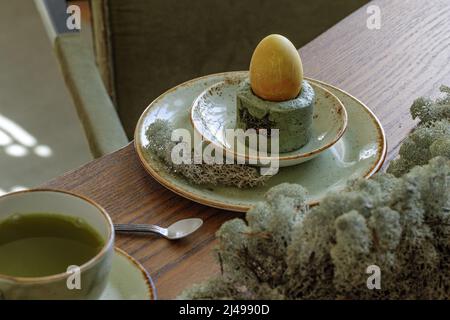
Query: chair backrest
[[75, 54], [153, 45]]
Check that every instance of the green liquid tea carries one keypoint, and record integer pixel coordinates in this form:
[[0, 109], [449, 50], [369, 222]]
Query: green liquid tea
[[42, 244]]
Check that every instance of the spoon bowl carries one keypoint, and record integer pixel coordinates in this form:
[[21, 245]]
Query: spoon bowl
[[183, 228]]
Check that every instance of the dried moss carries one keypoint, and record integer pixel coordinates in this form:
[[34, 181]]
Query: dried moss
[[400, 223], [160, 145], [256, 123], [430, 138], [286, 251]]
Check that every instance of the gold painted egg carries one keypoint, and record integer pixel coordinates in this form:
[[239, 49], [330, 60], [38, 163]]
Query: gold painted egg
[[276, 70]]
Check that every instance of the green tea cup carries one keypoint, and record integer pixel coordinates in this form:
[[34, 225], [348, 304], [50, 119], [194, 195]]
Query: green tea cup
[[85, 281]]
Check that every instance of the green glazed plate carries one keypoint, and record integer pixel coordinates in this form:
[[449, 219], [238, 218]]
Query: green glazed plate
[[359, 153], [214, 111], [128, 280]]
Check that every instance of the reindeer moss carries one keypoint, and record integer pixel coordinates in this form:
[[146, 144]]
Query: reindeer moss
[[399, 222], [431, 136], [238, 175]]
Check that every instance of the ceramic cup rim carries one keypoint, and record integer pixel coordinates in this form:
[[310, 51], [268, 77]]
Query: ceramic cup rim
[[109, 243]]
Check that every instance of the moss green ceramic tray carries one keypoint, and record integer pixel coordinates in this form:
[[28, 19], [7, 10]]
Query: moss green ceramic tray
[[359, 153]]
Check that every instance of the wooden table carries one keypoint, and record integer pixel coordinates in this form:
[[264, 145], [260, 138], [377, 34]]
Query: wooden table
[[387, 68]]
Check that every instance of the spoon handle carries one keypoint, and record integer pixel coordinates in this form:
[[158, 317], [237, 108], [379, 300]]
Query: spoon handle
[[140, 229]]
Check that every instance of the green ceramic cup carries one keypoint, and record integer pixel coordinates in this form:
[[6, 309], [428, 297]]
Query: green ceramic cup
[[93, 274]]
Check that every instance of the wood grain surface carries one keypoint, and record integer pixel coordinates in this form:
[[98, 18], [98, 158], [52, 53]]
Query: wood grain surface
[[387, 68]]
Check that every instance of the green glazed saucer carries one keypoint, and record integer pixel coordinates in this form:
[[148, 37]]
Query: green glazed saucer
[[359, 153], [128, 280], [214, 111]]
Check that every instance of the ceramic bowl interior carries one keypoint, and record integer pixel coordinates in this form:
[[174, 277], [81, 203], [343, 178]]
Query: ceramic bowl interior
[[214, 111]]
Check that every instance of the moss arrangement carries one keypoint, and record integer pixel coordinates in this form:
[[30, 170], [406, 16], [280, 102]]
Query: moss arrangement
[[160, 146], [399, 221], [431, 138]]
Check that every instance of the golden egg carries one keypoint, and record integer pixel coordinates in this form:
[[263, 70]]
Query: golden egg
[[276, 70]]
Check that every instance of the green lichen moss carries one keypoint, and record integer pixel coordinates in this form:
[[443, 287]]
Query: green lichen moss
[[428, 139], [160, 146], [399, 222]]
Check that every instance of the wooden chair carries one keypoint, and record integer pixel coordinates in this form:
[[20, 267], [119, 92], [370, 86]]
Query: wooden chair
[[144, 47]]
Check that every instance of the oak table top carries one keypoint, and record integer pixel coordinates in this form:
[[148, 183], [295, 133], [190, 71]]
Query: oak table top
[[407, 57]]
